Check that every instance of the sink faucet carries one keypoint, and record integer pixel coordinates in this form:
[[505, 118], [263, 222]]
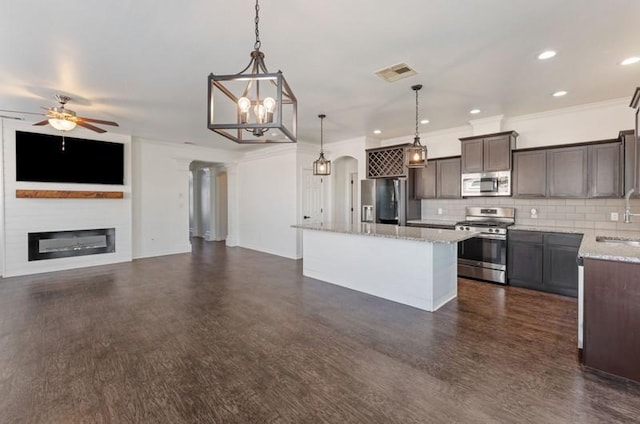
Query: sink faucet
[[627, 207]]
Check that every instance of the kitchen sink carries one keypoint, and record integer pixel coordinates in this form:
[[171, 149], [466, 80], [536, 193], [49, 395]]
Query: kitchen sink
[[618, 240]]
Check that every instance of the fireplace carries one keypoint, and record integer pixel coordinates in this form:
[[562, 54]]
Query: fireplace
[[62, 244]]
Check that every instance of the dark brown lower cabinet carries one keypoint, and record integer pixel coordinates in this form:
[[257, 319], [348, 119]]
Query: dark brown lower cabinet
[[543, 261], [524, 259], [560, 268], [612, 317]]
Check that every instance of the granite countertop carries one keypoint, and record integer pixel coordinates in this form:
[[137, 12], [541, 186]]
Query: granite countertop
[[430, 235], [543, 228], [432, 222], [590, 248]]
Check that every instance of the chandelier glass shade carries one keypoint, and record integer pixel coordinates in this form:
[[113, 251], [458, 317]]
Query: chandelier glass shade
[[416, 154], [321, 166], [253, 106]]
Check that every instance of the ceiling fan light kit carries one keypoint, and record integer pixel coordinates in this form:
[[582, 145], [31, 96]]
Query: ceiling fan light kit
[[253, 106], [61, 124], [64, 119]]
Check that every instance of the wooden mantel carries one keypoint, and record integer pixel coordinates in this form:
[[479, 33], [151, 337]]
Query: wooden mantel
[[68, 194]]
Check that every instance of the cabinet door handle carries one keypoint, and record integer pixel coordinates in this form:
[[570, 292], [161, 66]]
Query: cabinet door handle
[[306, 217]]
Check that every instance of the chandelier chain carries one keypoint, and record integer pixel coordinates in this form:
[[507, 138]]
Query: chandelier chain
[[257, 44], [417, 134], [321, 132]]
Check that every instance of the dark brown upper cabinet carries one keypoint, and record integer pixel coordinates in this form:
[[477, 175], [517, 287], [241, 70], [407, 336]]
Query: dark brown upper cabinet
[[425, 181], [605, 170], [439, 180], [472, 155], [581, 171], [631, 161], [530, 173], [567, 170], [487, 153], [448, 178]]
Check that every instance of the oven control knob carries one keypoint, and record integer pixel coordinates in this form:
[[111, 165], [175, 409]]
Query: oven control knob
[[491, 230], [467, 228]]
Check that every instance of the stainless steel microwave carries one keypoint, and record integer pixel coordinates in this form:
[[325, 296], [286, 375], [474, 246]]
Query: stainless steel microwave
[[487, 184]]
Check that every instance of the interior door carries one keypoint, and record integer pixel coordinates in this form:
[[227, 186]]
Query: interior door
[[312, 198], [353, 197]]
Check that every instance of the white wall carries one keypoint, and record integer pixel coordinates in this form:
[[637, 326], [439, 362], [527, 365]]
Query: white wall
[[2, 172], [161, 194], [596, 121], [22, 216], [268, 201]]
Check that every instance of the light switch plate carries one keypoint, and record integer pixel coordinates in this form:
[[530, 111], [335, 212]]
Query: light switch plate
[[439, 211], [614, 216]]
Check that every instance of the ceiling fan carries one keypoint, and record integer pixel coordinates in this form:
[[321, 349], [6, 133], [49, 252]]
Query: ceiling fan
[[65, 119]]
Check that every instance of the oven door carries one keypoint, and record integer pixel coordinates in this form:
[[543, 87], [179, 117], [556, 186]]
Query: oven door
[[485, 251]]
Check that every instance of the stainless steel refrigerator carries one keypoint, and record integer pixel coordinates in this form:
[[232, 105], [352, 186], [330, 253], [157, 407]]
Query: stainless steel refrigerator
[[388, 201]]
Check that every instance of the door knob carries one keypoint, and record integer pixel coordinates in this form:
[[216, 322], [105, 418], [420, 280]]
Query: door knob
[[306, 217]]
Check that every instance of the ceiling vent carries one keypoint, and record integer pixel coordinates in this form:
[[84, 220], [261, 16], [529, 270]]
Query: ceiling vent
[[396, 72]]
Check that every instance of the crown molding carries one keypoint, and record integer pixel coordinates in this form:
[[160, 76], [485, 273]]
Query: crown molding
[[487, 120], [571, 109], [269, 151]]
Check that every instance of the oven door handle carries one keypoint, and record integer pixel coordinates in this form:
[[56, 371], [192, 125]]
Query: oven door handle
[[492, 236]]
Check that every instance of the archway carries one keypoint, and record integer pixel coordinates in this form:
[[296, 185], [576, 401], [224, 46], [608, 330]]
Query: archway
[[345, 190], [207, 201]]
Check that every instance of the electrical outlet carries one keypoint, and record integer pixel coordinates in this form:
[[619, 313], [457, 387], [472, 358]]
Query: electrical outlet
[[614, 216], [439, 211]]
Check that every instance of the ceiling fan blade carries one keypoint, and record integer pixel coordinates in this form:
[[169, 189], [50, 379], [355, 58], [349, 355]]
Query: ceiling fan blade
[[11, 117], [97, 121], [45, 122], [90, 127], [22, 113]]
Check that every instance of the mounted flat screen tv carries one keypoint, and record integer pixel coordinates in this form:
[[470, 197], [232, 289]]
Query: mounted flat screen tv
[[52, 159]]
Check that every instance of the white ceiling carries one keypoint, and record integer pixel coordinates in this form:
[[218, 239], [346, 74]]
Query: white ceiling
[[145, 63]]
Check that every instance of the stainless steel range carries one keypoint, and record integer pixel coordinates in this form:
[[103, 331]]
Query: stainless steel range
[[484, 257]]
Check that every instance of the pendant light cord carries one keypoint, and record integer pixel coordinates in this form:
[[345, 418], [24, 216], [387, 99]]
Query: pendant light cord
[[257, 44]]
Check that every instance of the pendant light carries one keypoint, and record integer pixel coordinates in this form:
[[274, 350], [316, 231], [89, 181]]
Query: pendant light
[[416, 155], [321, 166], [254, 105]]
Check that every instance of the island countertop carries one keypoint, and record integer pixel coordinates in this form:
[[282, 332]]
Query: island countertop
[[429, 235]]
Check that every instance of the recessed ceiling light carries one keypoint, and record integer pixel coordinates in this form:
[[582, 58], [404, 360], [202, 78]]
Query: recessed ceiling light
[[548, 54], [273, 134], [424, 121], [474, 111], [630, 60], [377, 131], [559, 93]]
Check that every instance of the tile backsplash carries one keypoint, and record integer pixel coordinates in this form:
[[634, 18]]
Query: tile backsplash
[[571, 213]]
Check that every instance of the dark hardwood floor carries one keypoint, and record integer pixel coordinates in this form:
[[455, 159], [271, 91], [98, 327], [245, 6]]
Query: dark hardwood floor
[[228, 335]]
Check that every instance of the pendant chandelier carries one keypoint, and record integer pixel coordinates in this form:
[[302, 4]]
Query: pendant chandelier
[[321, 166], [253, 106], [416, 154]]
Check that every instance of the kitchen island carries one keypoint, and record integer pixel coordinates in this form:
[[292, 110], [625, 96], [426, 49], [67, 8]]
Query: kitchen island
[[408, 265]]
